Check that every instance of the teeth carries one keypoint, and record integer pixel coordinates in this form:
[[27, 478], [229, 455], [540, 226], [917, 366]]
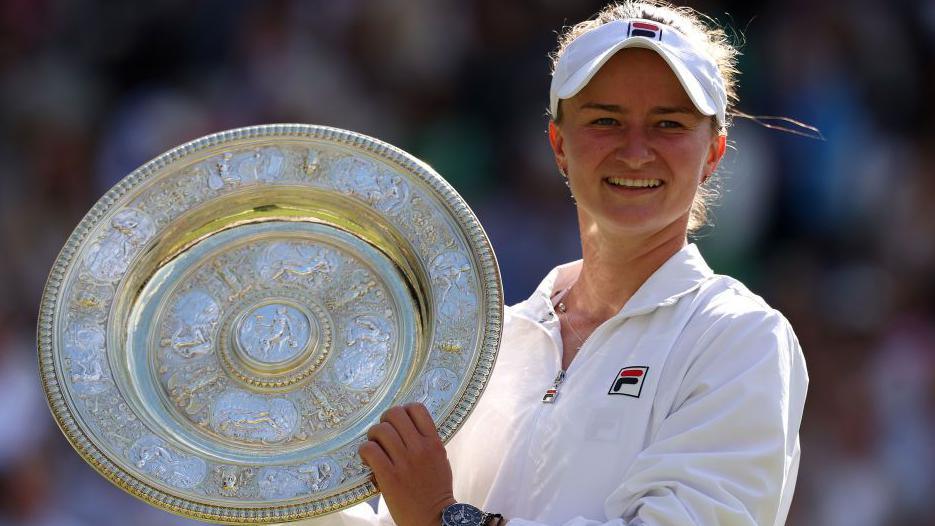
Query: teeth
[[635, 183]]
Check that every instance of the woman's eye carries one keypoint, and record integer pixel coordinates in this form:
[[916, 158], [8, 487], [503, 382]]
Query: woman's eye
[[670, 124]]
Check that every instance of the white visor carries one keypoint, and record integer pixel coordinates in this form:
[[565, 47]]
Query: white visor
[[586, 54]]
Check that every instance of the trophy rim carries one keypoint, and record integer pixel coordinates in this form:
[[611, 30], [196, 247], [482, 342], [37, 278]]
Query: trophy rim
[[69, 421]]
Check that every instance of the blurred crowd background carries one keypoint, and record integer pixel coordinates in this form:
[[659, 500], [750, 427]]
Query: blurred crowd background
[[838, 234]]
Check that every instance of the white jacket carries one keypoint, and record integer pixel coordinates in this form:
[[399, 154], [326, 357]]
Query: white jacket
[[702, 429]]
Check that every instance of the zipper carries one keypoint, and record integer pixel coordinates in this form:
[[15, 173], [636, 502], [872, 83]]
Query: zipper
[[552, 393]]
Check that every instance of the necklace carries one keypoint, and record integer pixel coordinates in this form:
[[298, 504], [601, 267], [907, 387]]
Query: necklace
[[562, 308]]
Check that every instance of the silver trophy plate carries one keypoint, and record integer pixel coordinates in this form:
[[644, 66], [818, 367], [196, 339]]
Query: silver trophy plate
[[225, 324]]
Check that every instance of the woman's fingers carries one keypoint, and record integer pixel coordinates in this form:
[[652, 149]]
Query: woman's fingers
[[386, 436], [404, 432], [422, 419], [373, 455], [402, 422]]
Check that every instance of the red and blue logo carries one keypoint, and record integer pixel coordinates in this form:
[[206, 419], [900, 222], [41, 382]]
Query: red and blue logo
[[629, 381], [642, 29]]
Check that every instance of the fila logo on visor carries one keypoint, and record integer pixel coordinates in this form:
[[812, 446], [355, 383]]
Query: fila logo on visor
[[642, 29], [629, 381]]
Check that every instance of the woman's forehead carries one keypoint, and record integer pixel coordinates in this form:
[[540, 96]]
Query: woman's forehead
[[636, 75]]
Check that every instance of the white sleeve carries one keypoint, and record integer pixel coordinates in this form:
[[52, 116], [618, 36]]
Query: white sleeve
[[727, 452]]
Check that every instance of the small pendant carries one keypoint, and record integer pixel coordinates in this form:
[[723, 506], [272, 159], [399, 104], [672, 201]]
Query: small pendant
[[552, 393]]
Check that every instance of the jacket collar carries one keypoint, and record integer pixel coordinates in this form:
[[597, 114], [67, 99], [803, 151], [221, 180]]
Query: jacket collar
[[681, 274]]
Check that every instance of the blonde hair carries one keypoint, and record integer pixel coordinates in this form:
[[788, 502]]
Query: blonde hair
[[699, 28]]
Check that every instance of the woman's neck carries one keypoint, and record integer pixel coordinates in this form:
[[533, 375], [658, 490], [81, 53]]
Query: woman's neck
[[615, 266]]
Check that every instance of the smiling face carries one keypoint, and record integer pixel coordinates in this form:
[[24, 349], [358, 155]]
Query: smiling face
[[634, 147]]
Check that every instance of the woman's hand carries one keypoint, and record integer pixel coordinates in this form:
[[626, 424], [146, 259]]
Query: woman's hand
[[410, 465]]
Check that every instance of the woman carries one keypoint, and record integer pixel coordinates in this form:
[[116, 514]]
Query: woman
[[634, 386]]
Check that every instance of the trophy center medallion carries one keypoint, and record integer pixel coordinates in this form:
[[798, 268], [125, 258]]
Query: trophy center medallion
[[275, 341], [275, 333]]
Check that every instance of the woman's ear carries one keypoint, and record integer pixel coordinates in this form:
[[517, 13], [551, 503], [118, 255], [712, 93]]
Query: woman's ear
[[715, 154], [558, 146]]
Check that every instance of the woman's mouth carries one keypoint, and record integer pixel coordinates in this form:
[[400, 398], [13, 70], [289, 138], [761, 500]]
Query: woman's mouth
[[634, 184]]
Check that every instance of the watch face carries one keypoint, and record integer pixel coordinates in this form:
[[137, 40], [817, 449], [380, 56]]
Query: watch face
[[460, 514]]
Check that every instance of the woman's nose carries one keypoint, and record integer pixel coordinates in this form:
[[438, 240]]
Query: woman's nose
[[635, 150]]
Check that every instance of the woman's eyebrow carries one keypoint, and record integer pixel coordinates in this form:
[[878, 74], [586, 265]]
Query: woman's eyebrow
[[604, 107], [658, 110], [673, 109]]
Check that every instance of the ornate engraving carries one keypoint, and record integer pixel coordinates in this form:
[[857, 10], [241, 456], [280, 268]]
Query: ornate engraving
[[109, 258], [320, 475], [425, 228], [360, 288], [232, 170], [224, 274], [84, 346], [436, 389], [311, 163], [254, 418], [91, 300], [362, 178], [232, 481], [195, 320], [313, 477], [274, 333], [192, 387], [352, 467], [451, 273], [172, 197], [153, 456], [364, 361], [292, 261], [331, 404]]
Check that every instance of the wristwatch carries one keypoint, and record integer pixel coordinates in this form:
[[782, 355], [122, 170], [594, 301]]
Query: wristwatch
[[461, 514]]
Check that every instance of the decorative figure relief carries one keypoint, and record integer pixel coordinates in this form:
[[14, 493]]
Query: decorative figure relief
[[436, 389], [357, 287], [280, 483], [231, 480], [153, 456], [265, 164], [84, 345], [451, 273], [352, 466], [221, 176], [91, 300], [118, 424], [109, 257], [274, 333], [332, 404], [171, 197], [253, 418], [196, 316], [321, 474], [425, 228], [382, 190], [283, 483], [363, 363], [311, 163], [295, 260], [230, 280], [190, 388]]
